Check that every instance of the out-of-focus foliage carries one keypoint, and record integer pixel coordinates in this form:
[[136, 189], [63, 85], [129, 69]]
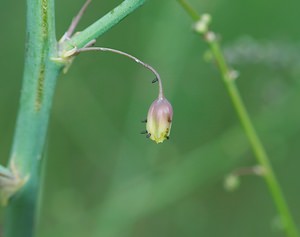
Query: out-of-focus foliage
[[104, 179]]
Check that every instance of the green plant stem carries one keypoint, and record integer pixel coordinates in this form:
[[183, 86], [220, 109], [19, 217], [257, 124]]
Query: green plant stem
[[105, 23], [256, 144], [39, 82]]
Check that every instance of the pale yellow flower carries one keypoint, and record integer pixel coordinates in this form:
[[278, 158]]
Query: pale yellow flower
[[159, 120]]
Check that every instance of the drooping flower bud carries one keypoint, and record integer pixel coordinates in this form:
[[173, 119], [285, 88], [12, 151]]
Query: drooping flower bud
[[159, 120]]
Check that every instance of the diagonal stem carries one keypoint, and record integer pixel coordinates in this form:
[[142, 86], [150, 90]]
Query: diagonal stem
[[104, 23], [257, 146]]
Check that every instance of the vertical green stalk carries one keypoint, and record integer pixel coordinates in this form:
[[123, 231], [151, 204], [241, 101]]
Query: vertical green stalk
[[39, 80], [257, 147]]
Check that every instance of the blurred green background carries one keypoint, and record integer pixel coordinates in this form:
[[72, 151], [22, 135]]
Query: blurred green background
[[104, 179]]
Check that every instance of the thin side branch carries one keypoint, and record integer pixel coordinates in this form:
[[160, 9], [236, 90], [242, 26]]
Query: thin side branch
[[76, 20]]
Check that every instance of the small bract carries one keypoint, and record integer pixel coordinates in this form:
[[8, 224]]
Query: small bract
[[159, 120]]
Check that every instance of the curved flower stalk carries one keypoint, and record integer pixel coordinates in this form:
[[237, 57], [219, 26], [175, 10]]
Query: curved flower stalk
[[160, 114]]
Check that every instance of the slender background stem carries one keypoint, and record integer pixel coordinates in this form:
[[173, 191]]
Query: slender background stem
[[256, 144]]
